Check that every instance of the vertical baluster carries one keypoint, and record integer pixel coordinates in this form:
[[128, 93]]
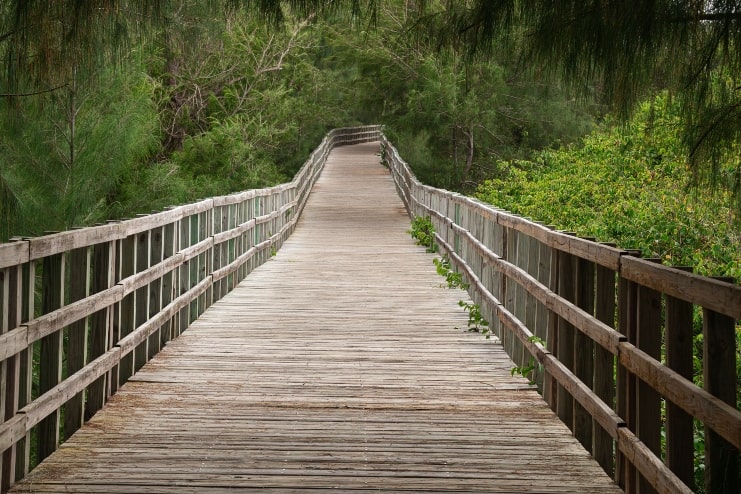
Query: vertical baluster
[[128, 305], [101, 323], [142, 296], [648, 404], [626, 394], [679, 350], [79, 261], [7, 390], [156, 248], [604, 366], [50, 361], [719, 375], [169, 249], [584, 350], [27, 286], [565, 335]]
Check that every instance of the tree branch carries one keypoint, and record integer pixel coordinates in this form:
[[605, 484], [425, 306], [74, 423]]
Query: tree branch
[[34, 93]]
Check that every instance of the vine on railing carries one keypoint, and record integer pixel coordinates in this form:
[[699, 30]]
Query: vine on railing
[[606, 335], [83, 310]]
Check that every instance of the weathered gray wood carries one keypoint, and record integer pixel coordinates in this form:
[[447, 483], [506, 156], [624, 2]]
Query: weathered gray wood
[[79, 264], [127, 306], [155, 289], [14, 254], [50, 368], [169, 281], [143, 251], [329, 367], [104, 261], [27, 273]]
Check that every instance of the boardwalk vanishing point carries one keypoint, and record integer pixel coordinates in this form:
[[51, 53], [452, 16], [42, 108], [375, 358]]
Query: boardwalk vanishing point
[[342, 364]]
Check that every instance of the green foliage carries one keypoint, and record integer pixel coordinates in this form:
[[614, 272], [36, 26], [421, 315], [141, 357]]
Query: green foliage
[[526, 371], [476, 321], [452, 278], [423, 231], [65, 154], [629, 185]]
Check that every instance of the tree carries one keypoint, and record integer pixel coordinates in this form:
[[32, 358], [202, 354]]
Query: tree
[[628, 50]]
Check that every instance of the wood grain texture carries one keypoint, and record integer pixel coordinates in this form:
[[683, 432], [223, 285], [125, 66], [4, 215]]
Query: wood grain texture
[[335, 365]]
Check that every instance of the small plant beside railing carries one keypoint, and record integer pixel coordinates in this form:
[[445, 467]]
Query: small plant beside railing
[[423, 231]]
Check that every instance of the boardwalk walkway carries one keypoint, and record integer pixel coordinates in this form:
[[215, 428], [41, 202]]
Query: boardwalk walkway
[[336, 365]]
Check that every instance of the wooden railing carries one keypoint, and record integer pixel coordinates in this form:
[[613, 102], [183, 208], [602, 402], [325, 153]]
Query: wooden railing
[[616, 362], [83, 310]]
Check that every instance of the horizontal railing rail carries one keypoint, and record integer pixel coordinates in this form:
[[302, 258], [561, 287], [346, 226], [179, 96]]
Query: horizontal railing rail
[[610, 336], [83, 310]]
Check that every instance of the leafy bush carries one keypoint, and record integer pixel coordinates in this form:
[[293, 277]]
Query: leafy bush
[[629, 185]]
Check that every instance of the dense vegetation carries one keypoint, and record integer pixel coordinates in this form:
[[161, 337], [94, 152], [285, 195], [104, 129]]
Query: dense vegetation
[[105, 116], [627, 184]]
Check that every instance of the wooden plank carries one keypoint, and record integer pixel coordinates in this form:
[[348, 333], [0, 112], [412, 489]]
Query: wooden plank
[[104, 261], [719, 377], [56, 320], [50, 366], [648, 404], [626, 382], [649, 465], [62, 242], [584, 350], [45, 405], [169, 280], [6, 387], [14, 253], [155, 289], [127, 306], [143, 240], [679, 357], [604, 366], [79, 264], [566, 333], [713, 294]]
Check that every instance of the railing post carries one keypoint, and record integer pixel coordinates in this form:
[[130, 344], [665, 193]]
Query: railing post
[[584, 351], [77, 337], [565, 335], [604, 366], [101, 323], [170, 247], [679, 350], [50, 363], [8, 376], [156, 246], [143, 251], [648, 426], [719, 375], [127, 306], [626, 382]]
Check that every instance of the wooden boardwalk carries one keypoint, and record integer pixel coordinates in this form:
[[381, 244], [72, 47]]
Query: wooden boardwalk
[[340, 364]]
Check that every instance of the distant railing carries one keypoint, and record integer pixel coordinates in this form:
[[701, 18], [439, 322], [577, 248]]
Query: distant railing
[[616, 364], [83, 310]]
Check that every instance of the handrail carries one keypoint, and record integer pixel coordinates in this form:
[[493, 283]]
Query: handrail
[[112, 295], [616, 333]]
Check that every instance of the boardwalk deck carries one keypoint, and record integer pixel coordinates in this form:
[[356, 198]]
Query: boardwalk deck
[[336, 365]]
